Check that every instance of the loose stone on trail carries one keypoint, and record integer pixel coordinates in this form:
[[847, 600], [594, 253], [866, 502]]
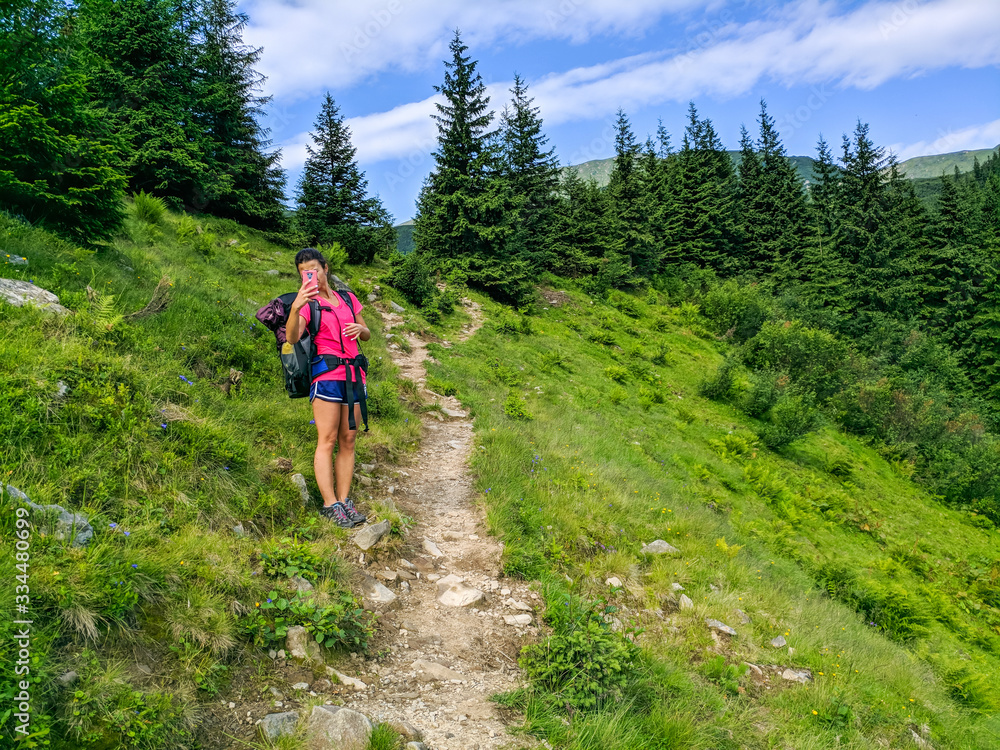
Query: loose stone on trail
[[369, 536]]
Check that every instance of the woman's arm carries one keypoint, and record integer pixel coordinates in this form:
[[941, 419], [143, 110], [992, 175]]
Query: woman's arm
[[295, 326], [357, 330]]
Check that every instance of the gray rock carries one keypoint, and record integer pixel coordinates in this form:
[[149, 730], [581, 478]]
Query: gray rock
[[459, 595], [368, 468], [659, 547], [20, 293], [343, 679], [56, 520], [363, 480], [613, 582], [376, 595], [744, 617], [372, 297], [416, 746], [797, 675], [517, 619], [369, 536], [300, 686], [406, 730], [720, 626], [281, 654], [273, 272], [301, 646], [301, 584], [67, 678], [273, 726], [432, 549], [61, 390], [676, 586], [453, 413], [15, 260], [272, 654], [322, 685], [239, 531], [520, 606], [396, 308], [342, 729], [685, 602], [779, 642], [276, 694], [300, 481], [429, 671]]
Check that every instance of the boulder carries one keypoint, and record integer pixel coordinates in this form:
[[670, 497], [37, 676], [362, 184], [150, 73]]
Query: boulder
[[375, 595], [369, 536], [429, 671], [273, 726], [300, 481], [659, 547], [335, 727], [458, 595], [301, 646], [343, 679], [20, 293], [720, 627], [56, 520]]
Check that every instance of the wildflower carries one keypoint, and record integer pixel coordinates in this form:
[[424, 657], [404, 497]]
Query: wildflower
[[815, 713], [135, 566], [112, 525], [163, 425], [268, 601], [126, 533], [312, 421], [55, 572]]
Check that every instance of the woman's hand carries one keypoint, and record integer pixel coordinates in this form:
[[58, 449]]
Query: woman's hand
[[307, 292], [354, 331]]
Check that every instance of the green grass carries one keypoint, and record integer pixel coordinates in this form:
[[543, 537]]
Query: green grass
[[815, 542], [164, 463]]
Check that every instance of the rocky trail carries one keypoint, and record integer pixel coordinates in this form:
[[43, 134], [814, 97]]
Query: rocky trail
[[451, 629]]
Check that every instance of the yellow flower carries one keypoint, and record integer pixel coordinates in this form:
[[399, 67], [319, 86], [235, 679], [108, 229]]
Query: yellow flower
[[815, 713]]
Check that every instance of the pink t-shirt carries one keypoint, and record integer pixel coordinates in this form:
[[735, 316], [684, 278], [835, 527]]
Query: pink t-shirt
[[331, 333]]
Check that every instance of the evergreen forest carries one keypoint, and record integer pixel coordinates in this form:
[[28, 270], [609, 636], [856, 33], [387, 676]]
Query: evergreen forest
[[797, 382]]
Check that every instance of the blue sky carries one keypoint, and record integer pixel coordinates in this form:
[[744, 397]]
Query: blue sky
[[925, 74]]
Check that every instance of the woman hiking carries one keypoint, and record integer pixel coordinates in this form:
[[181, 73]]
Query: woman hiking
[[338, 336]]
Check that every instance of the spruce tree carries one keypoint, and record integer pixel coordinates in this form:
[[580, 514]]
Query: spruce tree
[[532, 172], [464, 208], [626, 198], [230, 111], [57, 164], [581, 233], [146, 82], [333, 204], [705, 191], [749, 222]]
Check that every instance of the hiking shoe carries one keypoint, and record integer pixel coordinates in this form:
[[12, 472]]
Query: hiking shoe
[[337, 513], [356, 516]]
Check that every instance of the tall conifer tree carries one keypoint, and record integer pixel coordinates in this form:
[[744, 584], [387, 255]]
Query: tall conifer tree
[[56, 164], [332, 193], [627, 200]]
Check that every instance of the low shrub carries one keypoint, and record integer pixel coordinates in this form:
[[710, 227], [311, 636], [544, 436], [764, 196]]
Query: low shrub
[[149, 208], [383, 401], [516, 408], [791, 417]]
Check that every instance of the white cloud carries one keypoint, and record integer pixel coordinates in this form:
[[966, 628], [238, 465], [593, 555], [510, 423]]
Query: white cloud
[[806, 43], [310, 45], [971, 138]]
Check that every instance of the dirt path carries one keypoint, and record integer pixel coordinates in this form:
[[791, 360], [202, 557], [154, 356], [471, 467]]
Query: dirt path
[[444, 660]]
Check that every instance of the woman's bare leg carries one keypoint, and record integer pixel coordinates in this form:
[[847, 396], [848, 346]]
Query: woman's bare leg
[[344, 465], [327, 416]]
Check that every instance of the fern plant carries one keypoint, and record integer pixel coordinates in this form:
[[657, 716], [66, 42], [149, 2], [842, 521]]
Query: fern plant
[[148, 208]]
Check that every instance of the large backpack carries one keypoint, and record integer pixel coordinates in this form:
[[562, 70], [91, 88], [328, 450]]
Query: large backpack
[[297, 359]]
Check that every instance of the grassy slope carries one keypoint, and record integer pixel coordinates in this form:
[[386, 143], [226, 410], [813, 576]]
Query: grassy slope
[[174, 462], [937, 164], [588, 480]]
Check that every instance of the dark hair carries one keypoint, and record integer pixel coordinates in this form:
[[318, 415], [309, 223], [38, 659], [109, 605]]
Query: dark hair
[[307, 254]]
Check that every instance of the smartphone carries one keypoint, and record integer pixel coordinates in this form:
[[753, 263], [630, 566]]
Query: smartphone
[[309, 276]]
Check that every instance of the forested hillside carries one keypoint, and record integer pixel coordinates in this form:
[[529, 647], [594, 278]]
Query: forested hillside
[[739, 434]]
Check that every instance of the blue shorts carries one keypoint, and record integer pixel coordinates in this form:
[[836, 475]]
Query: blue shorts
[[332, 390]]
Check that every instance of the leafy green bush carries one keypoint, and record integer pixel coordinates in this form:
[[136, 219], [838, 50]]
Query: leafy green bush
[[763, 393], [441, 387], [719, 387], [288, 557], [411, 275], [503, 374], [814, 360], [740, 308], [792, 416], [584, 663], [341, 622], [149, 209], [625, 303], [516, 408]]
